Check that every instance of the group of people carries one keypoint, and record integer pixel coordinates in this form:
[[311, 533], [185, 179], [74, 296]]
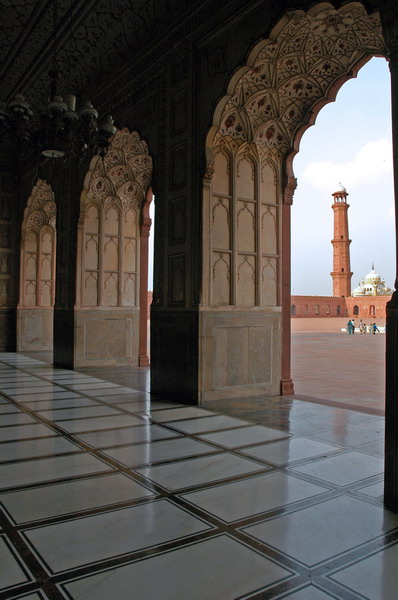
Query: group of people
[[363, 328]]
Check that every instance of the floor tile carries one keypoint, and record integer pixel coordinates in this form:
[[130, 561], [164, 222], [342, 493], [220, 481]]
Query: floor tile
[[89, 385], [196, 471], [34, 448], [355, 435], [47, 469], [142, 454], [90, 539], [132, 396], [375, 577], [63, 403], [133, 407], [15, 419], [195, 426], [290, 450], [119, 420], [126, 435], [12, 570], [8, 408], [77, 412], [309, 592], [109, 392], [43, 389], [344, 468], [26, 398], [176, 414], [74, 496], [232, 571], [20, 432], [376, 490], [314, 534], [251, 496], [244, 436]]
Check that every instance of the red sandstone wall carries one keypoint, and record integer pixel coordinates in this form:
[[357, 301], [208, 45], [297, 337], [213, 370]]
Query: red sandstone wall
[[150, 294], [368, 307]]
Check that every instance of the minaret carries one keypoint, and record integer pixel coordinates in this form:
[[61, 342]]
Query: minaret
[[341, 245]]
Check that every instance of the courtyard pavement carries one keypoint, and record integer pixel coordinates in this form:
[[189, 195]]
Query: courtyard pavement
[[331, 366]]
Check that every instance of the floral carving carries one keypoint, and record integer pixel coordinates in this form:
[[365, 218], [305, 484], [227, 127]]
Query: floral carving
[[301, 65]]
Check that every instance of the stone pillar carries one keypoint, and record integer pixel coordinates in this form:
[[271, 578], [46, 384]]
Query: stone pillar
[[9, 246], [287, 386], [67, 183], [143, 358], [389, 19]]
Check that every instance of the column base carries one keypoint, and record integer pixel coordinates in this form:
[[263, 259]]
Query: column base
[[143, 361], [287, 387]]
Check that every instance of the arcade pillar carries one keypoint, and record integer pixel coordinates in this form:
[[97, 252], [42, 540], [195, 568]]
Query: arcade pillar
[[389, 19]]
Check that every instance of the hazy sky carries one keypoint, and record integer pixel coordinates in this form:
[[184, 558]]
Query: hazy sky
[[350, 142]]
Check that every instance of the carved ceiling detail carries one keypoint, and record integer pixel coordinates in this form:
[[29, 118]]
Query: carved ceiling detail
[[92, 37], [295, 73], [123, 176], [40, 210]]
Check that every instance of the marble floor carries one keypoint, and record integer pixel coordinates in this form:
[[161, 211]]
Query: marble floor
[[107, 494]]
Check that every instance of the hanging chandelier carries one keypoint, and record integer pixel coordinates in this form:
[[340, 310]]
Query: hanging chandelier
[[56, 129]]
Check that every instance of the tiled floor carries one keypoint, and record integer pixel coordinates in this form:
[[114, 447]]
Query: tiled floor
[[105, 495]]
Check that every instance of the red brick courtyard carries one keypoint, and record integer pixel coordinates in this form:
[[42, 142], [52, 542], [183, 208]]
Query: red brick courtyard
[[330, 365]]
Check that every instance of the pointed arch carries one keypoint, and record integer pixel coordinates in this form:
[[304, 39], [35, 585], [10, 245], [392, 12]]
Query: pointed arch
[[37, 270], [269, 103]]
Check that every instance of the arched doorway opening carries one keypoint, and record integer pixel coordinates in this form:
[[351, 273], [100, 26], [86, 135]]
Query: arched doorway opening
[[249, 187], [37, 271], [112, 255]]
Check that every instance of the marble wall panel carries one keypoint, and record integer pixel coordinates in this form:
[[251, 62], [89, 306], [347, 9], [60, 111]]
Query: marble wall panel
[[35, 329], [106, 337], [239, 353]]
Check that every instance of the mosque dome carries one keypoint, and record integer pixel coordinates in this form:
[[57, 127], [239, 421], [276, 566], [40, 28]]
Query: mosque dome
[[372, 285]]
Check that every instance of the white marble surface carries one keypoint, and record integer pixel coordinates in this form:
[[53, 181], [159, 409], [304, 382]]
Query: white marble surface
[[62, 498], [316, 533], [217, 569], [89, 539]]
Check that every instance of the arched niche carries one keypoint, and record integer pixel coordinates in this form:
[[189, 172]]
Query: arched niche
[[248, 189], [37, 271], [109, 264]]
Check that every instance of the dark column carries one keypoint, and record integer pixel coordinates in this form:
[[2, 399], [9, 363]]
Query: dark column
[[389, 17], [67, 186], [10, 229]]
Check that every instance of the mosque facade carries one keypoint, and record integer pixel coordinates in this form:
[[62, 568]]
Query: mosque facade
[[367, 301]]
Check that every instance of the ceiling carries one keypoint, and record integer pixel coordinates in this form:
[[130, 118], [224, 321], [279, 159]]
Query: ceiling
[[92, 37]]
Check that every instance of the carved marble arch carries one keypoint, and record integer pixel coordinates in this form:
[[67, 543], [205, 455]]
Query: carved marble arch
[[38, 243], [109, 225], [269, 104]]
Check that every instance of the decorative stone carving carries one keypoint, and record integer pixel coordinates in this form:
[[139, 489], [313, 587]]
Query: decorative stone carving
[[294, 72], [38, 248], [109, 222]]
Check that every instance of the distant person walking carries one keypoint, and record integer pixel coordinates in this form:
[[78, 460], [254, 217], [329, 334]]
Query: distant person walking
[[353, 325], [349, 327], [375, 328]]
